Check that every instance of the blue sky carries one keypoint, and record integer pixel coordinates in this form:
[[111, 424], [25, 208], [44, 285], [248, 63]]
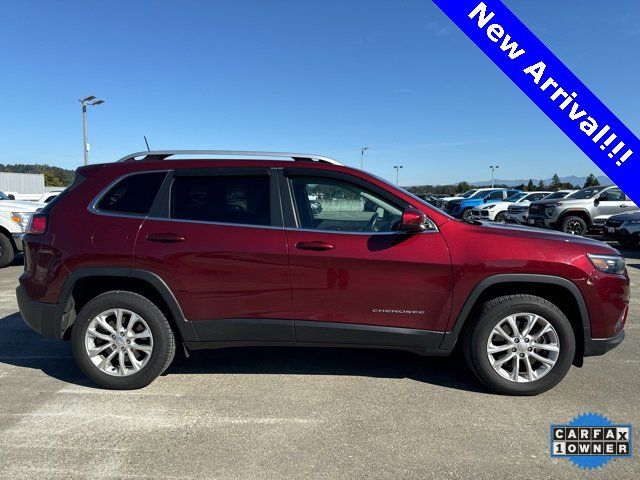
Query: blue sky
[[324, 77]]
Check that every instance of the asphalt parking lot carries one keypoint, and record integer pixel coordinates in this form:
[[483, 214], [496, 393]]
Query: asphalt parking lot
[[295, 413]]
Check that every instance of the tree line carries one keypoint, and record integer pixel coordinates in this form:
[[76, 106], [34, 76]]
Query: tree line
[[555, 184], [53, 176]]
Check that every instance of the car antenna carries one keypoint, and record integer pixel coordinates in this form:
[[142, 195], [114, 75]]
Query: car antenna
[[145, 141]]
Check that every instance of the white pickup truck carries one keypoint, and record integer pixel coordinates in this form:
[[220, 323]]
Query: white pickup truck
[[14, 219]]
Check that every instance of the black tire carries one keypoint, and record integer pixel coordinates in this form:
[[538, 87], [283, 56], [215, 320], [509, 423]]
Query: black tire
[[467, 215], [163, 340], [7, 253], [477, 335], [501, 217], [574, 225], [628, 243]]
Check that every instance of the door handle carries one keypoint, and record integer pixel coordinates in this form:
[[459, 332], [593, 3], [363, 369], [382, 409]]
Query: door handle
[[165, 237], [316, 246], [624, 205]]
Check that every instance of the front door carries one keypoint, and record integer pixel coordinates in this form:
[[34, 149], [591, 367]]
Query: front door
[[350, 265], [612, 202]]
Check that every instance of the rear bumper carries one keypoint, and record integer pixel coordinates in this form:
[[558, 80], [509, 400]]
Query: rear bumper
[[44, 318], [599, 346]]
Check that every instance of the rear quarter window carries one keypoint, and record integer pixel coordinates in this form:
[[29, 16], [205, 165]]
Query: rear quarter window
[[133, 194]]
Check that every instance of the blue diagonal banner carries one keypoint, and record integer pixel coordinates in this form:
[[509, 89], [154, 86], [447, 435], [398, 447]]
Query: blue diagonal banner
[[551, 86]]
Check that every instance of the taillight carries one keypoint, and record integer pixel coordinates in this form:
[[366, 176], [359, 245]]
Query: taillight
[[38, 224]]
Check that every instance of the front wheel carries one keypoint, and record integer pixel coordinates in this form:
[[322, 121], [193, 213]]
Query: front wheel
[[467, 215], [501, 217], [7, 254], [574, 226], [122, 341], [520, 345]]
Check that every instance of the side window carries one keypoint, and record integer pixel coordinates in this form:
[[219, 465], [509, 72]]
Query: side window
[[224, 199], [535, 197], [613, 195], [133, 194], [328, 204], [496, 195]]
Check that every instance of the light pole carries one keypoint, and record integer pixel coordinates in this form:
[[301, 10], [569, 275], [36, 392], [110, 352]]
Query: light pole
[[362, 150], [493, 169], [398, 167], [91, 101]]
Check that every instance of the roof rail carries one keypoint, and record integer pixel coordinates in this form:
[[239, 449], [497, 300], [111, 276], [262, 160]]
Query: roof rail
[[164, 154]]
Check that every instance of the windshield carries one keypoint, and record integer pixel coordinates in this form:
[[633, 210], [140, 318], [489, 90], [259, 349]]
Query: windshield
[[586, 193], [553, 195], [480, 194], [469, 193], [483, 194], [516, 197], [3, 196]]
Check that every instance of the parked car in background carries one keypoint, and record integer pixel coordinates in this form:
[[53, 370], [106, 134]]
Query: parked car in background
[[441, 203], [34, 197], [518, 212], [48, 196], [585, 210], [497, 211], [14, 218], [463, 208], [161, 250], [624, 228], [432, 199]]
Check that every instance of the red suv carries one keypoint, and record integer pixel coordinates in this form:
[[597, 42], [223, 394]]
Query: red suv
[[161, 248]]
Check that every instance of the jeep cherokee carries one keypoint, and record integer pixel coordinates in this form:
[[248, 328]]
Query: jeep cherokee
[[161, 249]]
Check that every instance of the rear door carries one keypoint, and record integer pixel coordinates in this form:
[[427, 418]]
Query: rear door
[[350, 265], [215, 237]]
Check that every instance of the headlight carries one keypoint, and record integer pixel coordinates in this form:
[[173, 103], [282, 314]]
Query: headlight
[[489, 207], [550, 211], [22, 219], [607, 263]]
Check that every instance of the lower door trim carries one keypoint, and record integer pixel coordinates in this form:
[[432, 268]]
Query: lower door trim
[[225, 333]]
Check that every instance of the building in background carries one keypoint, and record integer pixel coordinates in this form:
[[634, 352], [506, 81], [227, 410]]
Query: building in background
[[21, 184]]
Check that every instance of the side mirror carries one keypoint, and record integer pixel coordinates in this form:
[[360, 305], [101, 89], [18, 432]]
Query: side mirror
[[413, 221], [485, 199], [600, 198], [11, 196]]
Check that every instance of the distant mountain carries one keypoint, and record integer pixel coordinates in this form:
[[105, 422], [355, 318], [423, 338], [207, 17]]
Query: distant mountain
[[572, 179]]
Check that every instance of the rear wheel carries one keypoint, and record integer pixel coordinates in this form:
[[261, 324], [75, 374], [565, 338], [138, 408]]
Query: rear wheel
[[122, 341], [574, 225], [7, 253], [520, 345]]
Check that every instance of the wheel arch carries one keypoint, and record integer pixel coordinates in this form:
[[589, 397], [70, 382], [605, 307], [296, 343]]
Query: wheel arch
[[5, 231], [584, 214], [560, 291], [86, 283]]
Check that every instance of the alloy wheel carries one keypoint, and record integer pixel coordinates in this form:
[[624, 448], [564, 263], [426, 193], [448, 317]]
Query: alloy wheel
[[523, 347], [574, 228], [119, 342]]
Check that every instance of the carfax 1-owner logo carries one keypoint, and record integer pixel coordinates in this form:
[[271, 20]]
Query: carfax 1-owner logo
[[591, 440]]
